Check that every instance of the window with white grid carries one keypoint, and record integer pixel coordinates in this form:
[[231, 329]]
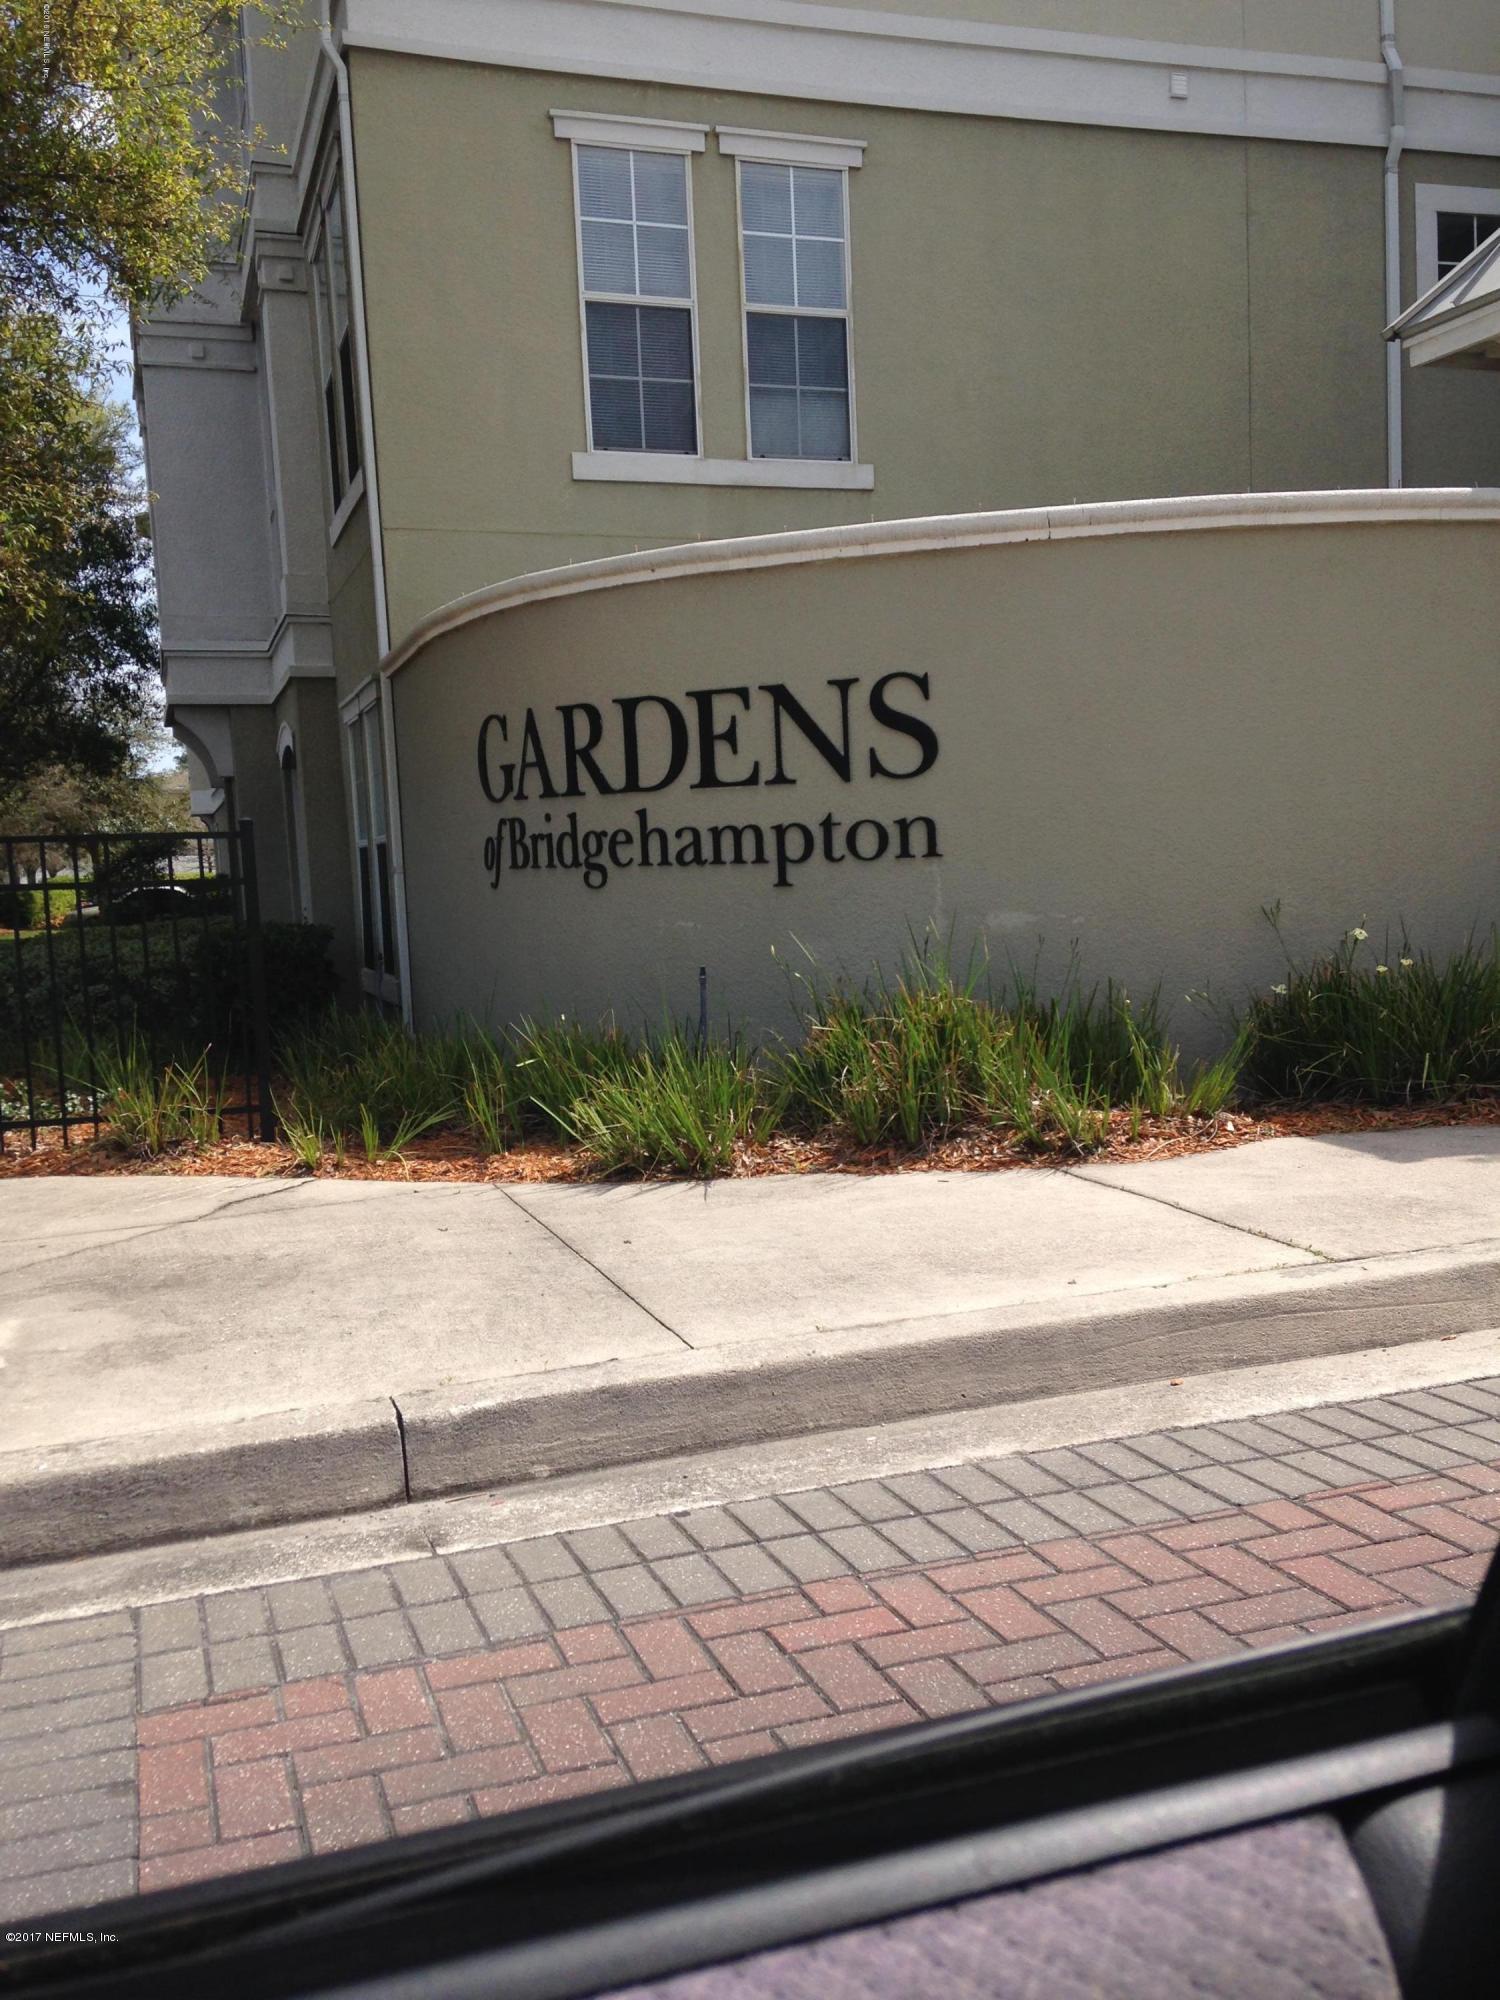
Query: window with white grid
[[1459, 235], [794, 240], [335, 338], [636, 269], [1451, 222]]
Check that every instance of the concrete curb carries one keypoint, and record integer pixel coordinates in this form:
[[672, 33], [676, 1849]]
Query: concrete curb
[[122, 1493], [340, 1459], [621, 1412]]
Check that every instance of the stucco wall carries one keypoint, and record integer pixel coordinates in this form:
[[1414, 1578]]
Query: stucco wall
[[211, 536], [1042, 313], [309, 709], [1144, 737]]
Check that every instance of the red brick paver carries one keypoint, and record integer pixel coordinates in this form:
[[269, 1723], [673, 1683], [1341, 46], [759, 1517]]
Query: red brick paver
[[330, 1763], [397, 1740]]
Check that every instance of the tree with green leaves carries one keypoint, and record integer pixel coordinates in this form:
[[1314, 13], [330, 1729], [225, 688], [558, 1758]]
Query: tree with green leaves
[[122, 150], [121, 145], [78, 657]]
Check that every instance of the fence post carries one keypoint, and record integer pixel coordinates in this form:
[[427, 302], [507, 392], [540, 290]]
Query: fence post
[[255, 968]]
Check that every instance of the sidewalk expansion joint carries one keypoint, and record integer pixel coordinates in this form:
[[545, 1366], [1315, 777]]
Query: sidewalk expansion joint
[[608, 1276], [1182, 1208]]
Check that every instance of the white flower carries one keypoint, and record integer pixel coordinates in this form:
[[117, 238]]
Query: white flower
[[1408, 961], [1382, 968], [1358, 935], [1278, 989]]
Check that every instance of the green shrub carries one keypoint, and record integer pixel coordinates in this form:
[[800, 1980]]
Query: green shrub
[[154, 1108], [1383, 1028], [300, 981], [358, 1073], [556, 1062], [26, 909], [918, 1060], [491, 1095], [178, 996], [907, 1061], [675, 1107]]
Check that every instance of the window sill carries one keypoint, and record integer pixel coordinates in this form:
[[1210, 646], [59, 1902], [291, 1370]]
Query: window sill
[[347, 506], [660, 468], [380, 986]]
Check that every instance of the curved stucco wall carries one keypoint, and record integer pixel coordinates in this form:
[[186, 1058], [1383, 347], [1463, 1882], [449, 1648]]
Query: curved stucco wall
[[1151, 720]]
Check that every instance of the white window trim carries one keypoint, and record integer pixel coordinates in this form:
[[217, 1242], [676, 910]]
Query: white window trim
[[624, 142], [789, 149], [352, 711], [346, 506], [829, 475], [1433, 198], [847, 315], [328, 179], [651, 135]]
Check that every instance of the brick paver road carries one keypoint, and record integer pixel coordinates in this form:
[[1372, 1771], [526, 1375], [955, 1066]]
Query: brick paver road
[[188, 1739]]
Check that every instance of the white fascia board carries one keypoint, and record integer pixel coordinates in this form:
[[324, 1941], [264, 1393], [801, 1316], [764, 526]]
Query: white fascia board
[[665, 468], [797, 149], [1467, 336], [657, 135], [783, 48], [866, 540]]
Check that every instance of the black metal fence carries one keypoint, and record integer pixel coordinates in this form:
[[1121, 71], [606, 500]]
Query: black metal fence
[[119, 948]]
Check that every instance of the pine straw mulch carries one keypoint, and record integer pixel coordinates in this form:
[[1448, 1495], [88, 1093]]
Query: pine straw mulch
[[451, 1156]]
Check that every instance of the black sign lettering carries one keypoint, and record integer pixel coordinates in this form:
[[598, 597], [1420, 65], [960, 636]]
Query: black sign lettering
[[649, 739], [921, 733]]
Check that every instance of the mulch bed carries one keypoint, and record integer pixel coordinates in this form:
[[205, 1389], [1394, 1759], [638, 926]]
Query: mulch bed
[[453, 1156]]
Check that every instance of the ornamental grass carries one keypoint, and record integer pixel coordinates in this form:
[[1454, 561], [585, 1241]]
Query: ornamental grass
[[903, 1065], [1378, 1027]]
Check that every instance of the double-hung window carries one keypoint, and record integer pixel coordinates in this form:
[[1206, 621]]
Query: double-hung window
[[1459, 235], [794, 238], [1452, 222], [380, 963], [336, 340], [635, 256]]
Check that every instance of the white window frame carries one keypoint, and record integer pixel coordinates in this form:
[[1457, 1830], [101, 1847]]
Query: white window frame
[[1433, 198], [796, 149], [330, 183], [636, 135], [378, 979]]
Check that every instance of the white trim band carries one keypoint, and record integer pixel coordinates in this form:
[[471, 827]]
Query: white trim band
[[1371, 507], [864, 55], [656, 135], [664, 468], [797, 149]]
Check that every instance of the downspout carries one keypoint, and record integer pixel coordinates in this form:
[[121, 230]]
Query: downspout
[[1395, 77], [372, 503]]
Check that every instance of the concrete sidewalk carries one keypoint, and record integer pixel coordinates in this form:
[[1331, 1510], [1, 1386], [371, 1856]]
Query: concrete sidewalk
[[182, 1356]]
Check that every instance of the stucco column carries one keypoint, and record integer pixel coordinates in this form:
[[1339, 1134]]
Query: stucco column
[[294, 430]]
